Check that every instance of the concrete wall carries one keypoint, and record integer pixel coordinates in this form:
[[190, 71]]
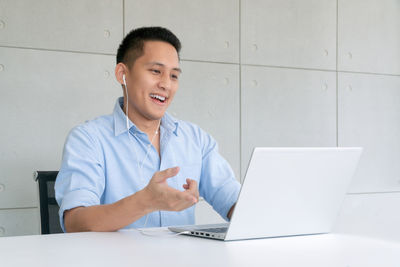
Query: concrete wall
[[255, 73]]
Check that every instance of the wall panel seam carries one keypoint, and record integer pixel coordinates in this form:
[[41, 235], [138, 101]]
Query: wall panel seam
[[369, 73], [204, 61], [58, 50], [375, 193], [337, 75], [240, 91], [288, 67], [18, 208], [123, 19], [327, 70]]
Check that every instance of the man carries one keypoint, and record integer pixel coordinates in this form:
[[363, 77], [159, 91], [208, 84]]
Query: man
[[140, 167]]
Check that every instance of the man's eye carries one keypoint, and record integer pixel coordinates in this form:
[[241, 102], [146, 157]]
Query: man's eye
[[155, 71], [175, 77]]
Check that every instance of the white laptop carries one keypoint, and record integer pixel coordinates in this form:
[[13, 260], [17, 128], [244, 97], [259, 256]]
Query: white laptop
[[287, 192]]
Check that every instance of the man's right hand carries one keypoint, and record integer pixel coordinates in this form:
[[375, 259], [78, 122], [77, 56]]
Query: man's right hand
[[164, 197], [157, 195]]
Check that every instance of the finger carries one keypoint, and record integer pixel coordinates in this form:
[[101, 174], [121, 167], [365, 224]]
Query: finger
[[192, 184], [161, 176], [192, 189], [186, 186], [185, 199]]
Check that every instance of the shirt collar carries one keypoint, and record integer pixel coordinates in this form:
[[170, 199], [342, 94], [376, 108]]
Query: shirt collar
[[168, 122]]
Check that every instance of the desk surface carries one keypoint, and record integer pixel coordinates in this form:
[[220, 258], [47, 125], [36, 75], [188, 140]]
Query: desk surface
[[130, 248]]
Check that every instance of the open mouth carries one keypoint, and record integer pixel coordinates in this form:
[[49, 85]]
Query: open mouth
[[158, 98]]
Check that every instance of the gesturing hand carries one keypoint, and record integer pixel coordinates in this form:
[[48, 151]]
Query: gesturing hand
[[164, 197]]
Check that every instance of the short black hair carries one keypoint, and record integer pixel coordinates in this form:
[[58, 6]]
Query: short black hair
[[132, 45]]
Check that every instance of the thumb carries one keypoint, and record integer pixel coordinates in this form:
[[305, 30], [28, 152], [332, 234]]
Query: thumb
[[162, 176]]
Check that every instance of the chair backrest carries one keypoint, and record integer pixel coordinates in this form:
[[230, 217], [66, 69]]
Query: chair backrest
[[49, 219]]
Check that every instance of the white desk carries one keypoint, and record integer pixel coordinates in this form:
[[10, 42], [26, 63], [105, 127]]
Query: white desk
[[130, 248]]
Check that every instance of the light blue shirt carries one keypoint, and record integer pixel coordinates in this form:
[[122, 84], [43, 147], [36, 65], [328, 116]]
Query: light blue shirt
[[100, 166]]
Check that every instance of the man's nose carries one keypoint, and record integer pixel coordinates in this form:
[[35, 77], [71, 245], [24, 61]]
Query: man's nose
[[165, 81]]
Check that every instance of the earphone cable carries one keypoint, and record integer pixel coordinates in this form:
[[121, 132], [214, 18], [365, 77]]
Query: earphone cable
[[140, 167]]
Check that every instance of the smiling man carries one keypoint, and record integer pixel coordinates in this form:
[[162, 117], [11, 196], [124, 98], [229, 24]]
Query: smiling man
[[139, 166]]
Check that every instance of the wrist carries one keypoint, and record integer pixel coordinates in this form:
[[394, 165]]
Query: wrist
[[145, 201]]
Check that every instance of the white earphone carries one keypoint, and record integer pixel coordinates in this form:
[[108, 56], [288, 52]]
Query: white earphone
[[126, 92], [140, 166], [123, 78]]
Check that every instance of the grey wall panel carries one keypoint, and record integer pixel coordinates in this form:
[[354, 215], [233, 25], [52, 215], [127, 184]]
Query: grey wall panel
[[286, 107], [373, 215], [369, 116], [43, 95], [19, 222], [209, 96], [89, 25], [208, 30], [289, 33], [369, 36]]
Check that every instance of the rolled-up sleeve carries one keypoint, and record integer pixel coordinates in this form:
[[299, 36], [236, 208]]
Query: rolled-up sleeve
[[218, 185], [81, 180]]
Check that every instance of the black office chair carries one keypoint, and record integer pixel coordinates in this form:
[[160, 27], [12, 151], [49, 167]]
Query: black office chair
[[49, 219]]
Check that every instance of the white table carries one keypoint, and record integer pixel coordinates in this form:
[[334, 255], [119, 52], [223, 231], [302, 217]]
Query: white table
[[130, 248]]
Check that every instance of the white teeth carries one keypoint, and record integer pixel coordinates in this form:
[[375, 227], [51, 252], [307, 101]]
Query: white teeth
[[158, 97]]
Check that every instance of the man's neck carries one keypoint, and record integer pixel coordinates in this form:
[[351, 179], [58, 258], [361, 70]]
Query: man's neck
[[150, 127]]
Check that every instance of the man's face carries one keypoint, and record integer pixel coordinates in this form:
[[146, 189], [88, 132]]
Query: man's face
[[153, 81]]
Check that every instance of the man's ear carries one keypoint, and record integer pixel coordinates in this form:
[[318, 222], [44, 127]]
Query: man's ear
[[120, 70]]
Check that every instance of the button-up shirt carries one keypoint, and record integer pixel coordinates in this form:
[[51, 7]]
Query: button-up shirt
[[104, 162]]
